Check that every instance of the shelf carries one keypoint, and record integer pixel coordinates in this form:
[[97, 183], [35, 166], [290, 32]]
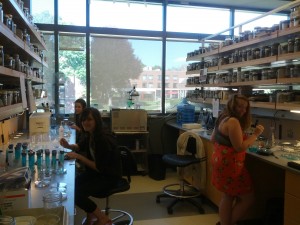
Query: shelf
[[247, 83], [15, 44], [131, 132], [258, 40], [11, 7], [288, 106], [254, 62], [264, 105], [139, 151], [10, 110], [205, 100], [10, 73], [249, 43]]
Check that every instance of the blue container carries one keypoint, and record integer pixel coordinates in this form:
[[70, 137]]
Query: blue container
[[185, 112]]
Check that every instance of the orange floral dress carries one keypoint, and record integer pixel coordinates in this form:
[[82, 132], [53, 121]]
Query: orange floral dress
[[229, 174]]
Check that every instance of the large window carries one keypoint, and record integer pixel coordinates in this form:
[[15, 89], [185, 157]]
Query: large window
[[176, 69], [43, 11], [72, 12], [127, 51], [72, 68], [48, 72], [126, 14], [117, 65], [197, 19]]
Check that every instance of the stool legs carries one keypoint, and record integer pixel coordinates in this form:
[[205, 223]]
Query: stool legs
[[180, 192]]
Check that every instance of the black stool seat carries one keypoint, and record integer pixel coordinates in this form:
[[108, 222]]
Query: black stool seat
[[180, 160], [121, 186]]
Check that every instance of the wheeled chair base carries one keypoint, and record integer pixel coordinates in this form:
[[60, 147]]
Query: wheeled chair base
[[180, 192]]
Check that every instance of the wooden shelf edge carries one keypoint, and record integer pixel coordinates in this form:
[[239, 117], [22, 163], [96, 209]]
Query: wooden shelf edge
[[10, 110]]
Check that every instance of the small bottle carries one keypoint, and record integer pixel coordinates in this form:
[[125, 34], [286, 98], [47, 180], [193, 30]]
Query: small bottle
[[54, 161], [24, 155], [25, 147], [39, 159], [18, 151], [47, 159], [61, 160], [9, 153], [31, 154], [61, 130]]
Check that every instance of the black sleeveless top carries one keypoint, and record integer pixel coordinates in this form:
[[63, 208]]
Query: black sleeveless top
[[221, 138]]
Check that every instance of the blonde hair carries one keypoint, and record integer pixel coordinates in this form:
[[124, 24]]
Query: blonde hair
[[230, 111]]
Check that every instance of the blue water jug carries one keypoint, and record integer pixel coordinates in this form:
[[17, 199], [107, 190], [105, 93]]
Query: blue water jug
[[185, 112]]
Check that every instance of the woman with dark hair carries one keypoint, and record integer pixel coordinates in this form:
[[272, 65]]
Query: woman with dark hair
[[229, 174], [102, 162], [80, 105]]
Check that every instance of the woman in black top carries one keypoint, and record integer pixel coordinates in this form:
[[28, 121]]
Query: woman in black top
[[80, 105], [102, 162]]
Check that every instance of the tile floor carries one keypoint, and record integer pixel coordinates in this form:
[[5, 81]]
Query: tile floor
[[140, 202]]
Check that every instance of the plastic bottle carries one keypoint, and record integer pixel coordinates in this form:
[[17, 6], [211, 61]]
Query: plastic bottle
[[61, 159], [18, 148], [54, 161], [53, 121], [9, 152], [24, 156], [185, 112], [39, 159], [61, 130]]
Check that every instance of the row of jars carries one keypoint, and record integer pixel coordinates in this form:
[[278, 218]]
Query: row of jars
[[217, 94], [9, 97], [292, 46], [246, 35], [23, 34], [243, 76], [16, 64], [279, 96]]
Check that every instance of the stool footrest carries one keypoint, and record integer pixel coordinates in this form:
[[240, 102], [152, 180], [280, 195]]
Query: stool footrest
[[181, 191], [120, 216]]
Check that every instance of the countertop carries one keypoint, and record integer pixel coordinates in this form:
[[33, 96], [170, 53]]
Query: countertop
[[279, 158]]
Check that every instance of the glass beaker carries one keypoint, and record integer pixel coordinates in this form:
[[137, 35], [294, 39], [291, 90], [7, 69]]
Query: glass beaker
[[52, 201]]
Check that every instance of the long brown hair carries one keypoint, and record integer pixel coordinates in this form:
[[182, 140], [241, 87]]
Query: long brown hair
[[230, 111]]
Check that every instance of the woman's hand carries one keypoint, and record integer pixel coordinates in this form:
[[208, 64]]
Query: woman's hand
[[258, 130], [64, 143], [75, 127], [73, 155]]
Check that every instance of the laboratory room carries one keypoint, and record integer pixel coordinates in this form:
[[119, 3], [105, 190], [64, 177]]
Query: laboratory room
[[123, 112]]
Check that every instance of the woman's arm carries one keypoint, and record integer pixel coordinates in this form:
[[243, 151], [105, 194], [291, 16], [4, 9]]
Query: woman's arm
[[235, 134], [87, 162], [64, 143]]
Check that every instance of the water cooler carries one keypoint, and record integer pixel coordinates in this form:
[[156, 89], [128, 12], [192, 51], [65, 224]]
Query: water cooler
[[185, 112]]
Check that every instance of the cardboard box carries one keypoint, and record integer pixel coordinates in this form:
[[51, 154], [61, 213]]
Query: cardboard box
[[128, 120], [15, 199], [39, 123], [15, 189]]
